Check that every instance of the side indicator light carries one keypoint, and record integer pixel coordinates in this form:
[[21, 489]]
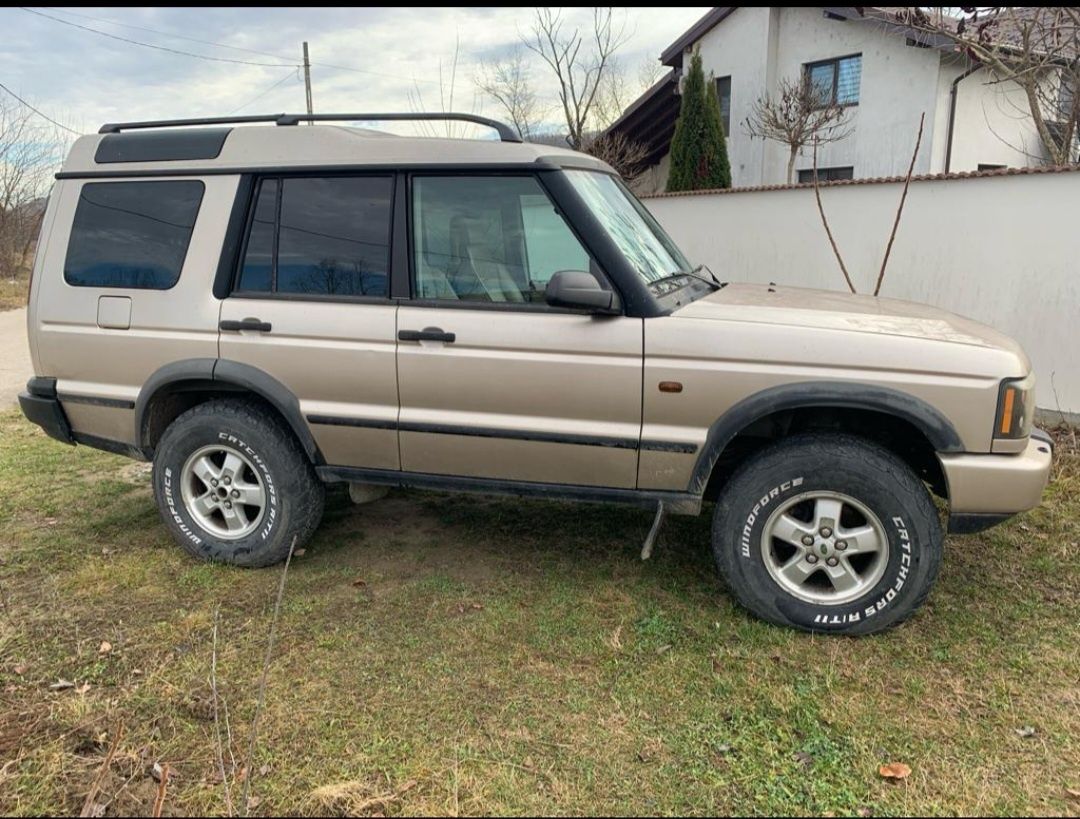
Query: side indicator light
[[670, 386]]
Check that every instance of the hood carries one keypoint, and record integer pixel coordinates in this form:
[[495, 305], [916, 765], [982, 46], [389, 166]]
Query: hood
[[824, 309]]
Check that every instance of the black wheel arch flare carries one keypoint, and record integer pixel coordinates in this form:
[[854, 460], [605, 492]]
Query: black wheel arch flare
[[938, 430], [211, 373]]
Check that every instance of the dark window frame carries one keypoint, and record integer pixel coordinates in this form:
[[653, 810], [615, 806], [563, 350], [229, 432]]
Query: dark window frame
[[835, 62], [725, 120], [509, 306], [826, 174], [273, 294], [187, 246]]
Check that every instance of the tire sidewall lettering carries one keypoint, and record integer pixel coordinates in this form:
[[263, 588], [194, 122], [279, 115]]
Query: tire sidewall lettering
[[897, 576]]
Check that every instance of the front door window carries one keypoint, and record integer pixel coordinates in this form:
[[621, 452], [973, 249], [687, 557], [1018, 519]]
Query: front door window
[[488, 239]]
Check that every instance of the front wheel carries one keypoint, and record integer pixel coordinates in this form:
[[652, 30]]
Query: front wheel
[[827, 532]]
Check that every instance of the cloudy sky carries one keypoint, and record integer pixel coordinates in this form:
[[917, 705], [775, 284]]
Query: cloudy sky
[[363, 59]]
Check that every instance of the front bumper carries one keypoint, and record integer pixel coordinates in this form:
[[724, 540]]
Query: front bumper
[[40, 405], [987, 489]]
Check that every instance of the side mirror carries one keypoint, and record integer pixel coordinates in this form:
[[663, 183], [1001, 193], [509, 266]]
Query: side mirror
[[579, 290]]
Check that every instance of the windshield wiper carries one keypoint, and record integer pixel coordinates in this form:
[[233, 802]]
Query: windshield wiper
[[694, 274]]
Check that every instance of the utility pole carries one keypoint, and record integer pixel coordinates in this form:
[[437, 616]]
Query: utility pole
[[307, 80]]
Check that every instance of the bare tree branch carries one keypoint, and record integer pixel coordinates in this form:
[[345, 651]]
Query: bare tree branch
[[30, 151], [507, 82], [581, 64], [249, 762], [1035, 47], [620, 152], [900, 210], [799, 114], [824, 221]]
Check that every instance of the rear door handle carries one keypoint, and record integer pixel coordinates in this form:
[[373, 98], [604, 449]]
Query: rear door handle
[[427, 334], [247, 324]]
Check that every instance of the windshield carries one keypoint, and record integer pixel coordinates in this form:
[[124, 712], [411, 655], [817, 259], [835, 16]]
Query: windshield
[[630, 225]]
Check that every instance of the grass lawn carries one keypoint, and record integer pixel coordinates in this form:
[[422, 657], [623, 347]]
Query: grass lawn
[[454, 654]]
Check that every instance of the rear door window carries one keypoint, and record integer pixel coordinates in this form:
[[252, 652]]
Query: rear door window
[[132, 234], [320, 236]]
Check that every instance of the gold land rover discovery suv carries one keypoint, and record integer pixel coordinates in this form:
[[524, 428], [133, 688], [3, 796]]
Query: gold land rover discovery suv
[[262, 310]]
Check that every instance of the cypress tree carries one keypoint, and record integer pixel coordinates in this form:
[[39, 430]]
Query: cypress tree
[[699, 158]]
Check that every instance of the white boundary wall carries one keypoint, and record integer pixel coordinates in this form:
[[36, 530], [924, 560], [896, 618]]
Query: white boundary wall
[[1003, 249]]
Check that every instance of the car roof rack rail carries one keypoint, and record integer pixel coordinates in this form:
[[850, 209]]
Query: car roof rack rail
[[505, 132], [117, 127]]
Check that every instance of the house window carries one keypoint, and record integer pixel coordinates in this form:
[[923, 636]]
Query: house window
[[827, 174], [837, 81], [723, 93]]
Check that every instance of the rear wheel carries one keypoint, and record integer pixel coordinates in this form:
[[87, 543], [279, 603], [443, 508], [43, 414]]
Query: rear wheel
[[828, 532], [233, 484]]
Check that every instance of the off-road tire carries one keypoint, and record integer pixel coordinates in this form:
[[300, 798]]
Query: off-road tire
[[293, 494], [797, 467]]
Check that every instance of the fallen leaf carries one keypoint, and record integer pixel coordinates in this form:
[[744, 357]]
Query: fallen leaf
[[864, 812], [157, 771], [359, 582], [299, 552], [804, 759], [49, 521], [663, 649], [82, 689], [1025, 732], [20, 669], [105, 647], [723, 749], [1072, 793], [61, 685], [477, 606], [717, 666], [106, 551], [264, 770], [254, 802], [895, 770]]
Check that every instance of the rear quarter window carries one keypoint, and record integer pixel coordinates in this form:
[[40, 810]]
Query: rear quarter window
[[132, 234]]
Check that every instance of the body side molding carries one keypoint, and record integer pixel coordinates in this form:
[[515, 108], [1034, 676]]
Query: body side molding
[[681, 503]]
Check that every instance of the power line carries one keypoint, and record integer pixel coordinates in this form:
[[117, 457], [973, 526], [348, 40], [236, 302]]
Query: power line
[[39, 113], [209, 43], [159, 48], [291, 73], [170, 34]]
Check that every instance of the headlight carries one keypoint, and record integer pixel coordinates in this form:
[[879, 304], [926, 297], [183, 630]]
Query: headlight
[[1016, 399]]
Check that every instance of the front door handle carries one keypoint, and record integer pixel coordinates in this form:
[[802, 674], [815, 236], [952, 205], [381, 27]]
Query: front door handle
[[427, 334], [247, 324]]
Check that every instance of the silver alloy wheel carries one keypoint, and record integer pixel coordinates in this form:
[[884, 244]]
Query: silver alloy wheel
[[223, 491], [825, 548]]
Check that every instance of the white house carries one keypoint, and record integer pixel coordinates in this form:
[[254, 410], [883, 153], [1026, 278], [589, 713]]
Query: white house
[[886, 74]]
